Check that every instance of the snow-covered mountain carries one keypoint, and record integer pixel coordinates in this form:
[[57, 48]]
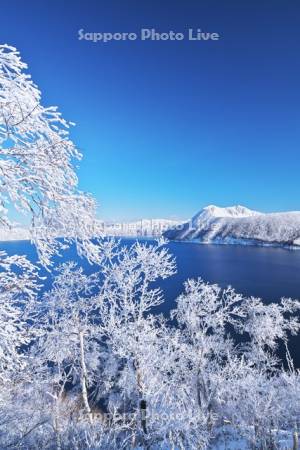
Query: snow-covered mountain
[[240, 225]]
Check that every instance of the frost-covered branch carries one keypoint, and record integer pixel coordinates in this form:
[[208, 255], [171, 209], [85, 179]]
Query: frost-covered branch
[[37, 165]]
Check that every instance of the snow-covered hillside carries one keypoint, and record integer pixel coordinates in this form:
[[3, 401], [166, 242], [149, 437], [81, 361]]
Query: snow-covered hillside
[[240, 225]]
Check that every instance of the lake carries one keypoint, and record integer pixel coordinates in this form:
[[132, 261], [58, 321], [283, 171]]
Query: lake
[[266, 272]]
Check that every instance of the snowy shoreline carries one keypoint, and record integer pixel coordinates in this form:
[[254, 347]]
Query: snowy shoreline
[[242, 243]]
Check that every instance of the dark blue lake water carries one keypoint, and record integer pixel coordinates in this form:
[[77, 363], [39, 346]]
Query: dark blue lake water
[[269, 273]]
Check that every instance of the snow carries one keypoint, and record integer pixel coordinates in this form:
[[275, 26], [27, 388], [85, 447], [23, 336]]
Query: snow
[[101, 330], [240, 225], [231, 441], [14, 234], [230, 211], [38, 166], [142, 227]]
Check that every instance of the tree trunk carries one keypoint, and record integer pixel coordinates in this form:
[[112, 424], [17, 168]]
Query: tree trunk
[[142, 401], [295, 440], [271, 440], [84, 378], [143, 408], [57, 428]]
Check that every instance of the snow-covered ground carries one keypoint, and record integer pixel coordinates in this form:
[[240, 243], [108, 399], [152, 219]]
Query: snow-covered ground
[[240, 225], [230, 439]]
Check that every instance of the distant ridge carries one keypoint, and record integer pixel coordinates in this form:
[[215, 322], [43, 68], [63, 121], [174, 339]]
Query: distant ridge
[[14, 234], [142, 227]]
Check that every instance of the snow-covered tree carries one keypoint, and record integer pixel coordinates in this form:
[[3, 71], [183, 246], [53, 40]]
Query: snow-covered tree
[[104, 371], [90, 364], [18, 288], [57, 354], [37, 158], [37, 179], [134, 337], [231, 381]]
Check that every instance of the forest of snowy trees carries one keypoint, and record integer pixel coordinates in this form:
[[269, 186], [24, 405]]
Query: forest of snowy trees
[[88, 364]]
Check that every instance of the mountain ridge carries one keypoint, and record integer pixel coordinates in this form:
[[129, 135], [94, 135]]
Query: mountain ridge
[[240, 225]]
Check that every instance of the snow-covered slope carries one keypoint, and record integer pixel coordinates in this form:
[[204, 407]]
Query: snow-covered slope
[[237, 224]]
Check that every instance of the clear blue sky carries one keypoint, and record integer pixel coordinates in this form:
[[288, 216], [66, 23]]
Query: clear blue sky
[[169, 127]]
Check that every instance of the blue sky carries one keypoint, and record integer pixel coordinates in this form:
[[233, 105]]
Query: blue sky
[[169, 127]]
